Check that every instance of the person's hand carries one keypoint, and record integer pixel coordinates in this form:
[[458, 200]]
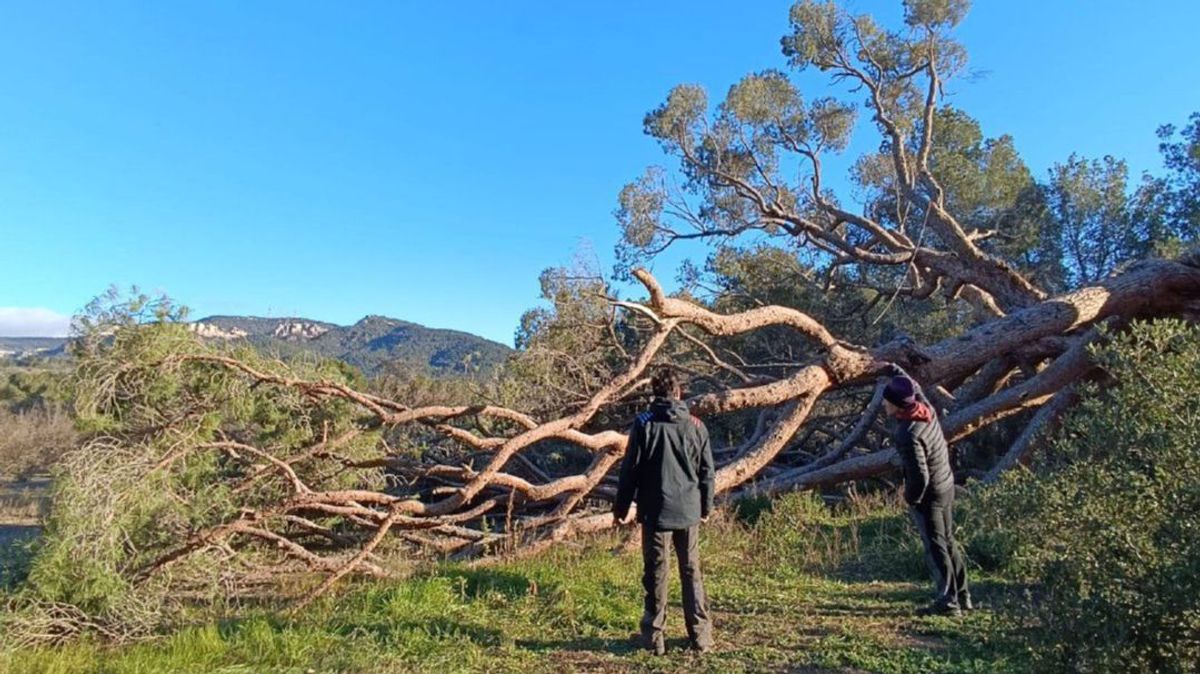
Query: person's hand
[[894, 370], [619, 521]]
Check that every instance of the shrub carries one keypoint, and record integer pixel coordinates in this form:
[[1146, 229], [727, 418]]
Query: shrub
[[1107, 526]]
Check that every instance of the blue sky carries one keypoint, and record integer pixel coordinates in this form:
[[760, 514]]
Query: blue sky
[[427, 160]]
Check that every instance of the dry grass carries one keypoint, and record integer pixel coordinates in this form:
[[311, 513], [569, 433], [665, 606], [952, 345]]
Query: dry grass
[[24, 503], [31, 441]]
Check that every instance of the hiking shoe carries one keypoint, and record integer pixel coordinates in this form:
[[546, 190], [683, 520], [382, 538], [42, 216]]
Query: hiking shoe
[[656, 646], [940, 608], [964, 602], [700, 648]]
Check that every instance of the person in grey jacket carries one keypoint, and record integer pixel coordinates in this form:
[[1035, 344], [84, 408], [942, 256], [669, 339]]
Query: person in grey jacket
[[668, 471], [928, 490]]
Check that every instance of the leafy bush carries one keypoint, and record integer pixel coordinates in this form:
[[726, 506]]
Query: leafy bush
[[1107, 526]]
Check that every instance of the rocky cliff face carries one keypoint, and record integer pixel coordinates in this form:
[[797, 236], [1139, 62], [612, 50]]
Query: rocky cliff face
[[299, 331], [211, 331]]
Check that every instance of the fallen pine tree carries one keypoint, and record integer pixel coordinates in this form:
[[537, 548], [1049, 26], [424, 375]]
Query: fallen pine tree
[[196, 484], [216, 471]]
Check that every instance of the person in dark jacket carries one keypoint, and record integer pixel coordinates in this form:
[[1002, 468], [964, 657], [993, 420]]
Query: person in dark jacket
[[668, 471], [929, 490]]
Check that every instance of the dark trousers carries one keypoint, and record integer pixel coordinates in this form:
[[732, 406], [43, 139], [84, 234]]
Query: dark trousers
[[654, 579], [935, 521]]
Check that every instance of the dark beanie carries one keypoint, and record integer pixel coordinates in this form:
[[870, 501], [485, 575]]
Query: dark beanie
[[901, 391]]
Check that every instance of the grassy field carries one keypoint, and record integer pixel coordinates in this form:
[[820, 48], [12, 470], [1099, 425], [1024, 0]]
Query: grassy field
[[793, 589]]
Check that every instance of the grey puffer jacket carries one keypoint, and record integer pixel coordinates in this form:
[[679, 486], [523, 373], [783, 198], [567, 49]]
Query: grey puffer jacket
[[925, 457]]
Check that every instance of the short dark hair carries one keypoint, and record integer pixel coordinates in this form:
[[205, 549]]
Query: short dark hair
[[666, 382]]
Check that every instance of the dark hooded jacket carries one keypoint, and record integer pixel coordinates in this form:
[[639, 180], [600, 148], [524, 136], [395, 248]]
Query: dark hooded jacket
[[667, 469], [925, 457]]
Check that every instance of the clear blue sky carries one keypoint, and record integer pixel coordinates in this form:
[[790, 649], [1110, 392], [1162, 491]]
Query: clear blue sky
[[427, 160]]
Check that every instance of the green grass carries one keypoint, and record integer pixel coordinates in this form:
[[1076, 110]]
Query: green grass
[[800, 590]]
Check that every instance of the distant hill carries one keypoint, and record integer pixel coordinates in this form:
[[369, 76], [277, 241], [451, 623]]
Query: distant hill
[[25, 347], [369, 344]]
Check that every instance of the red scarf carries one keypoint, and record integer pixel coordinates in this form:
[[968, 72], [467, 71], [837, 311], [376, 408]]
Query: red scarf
[[918, 411]]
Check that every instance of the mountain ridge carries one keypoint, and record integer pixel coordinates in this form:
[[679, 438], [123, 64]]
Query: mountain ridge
[[372, 343]]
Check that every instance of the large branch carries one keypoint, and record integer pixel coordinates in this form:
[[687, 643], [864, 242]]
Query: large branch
[[1045, 417], [1150, 288], [848, 470], [735, 324], [1065, 370]]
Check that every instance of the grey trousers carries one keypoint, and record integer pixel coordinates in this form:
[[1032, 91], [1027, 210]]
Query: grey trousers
[[655, 543], [935, 521]]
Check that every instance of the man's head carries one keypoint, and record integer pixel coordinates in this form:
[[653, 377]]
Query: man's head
[[899, 393], [666, 383]]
